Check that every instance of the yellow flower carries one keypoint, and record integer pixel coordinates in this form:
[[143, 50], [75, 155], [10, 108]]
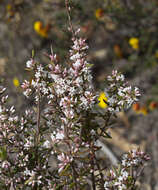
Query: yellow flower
[[42, 31], [102, 100], [156, 54], [9, 7], [10, 11], [99, 13], [136, 107], [143, 111], [118, 51], [16, 82], [153, 105], [134, 43]]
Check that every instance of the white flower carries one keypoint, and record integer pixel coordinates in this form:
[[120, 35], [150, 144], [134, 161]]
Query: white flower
[[79, 81], [120, 77], [27, 172], [77, 64], [65, 102], [34, 84], [64, 161], [124, 174], [46, 144], [1, 109], [69, 113], [137, 93], [60, 135], [29, 142], [40, 68], [12, 109], [5, 164], [38, 75], [55, 77], [75, 56], [109, 78], [29, 64], [106, 184], [84, 102], [121, 91]]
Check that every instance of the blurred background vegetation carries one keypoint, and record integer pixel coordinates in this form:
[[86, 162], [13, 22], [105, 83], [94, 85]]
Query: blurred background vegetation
[[121, 34]]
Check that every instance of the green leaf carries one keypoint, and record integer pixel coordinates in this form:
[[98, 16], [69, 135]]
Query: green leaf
[[89, 65], [3, 153], [65, 171], [33, 53], [107, 135]]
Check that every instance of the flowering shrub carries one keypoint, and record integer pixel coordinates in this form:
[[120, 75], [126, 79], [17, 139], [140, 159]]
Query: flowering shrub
[[63, 127], [124, 177]]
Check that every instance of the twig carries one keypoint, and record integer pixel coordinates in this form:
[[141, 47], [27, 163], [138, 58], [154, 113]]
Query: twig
[[92, 176], [38, 132], [106, 123], [68, 8], [100, 173], [74, 175], [38, 118], [92, 154]]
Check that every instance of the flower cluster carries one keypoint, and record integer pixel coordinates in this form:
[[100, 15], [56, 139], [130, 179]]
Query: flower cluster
[[134, 158], [18, 151], [39, 84], [125, 175], [144, 109], [119, 94], [70, 94]]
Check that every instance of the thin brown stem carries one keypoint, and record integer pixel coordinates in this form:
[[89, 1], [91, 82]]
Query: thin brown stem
[[74, 173], [38, 119], [92, 166], [68, 8], [100, 173], [93, 177], [106, 124], [135, 177], [37, 138], [74, 176]]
